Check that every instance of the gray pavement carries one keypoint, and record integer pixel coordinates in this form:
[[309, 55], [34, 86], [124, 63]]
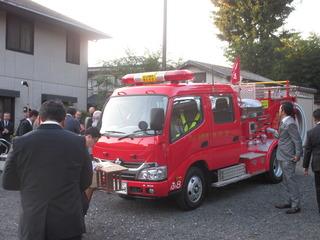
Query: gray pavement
[[240, 211]]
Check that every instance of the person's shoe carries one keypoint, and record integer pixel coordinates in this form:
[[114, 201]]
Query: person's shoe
[[293, 210], [283, 206]]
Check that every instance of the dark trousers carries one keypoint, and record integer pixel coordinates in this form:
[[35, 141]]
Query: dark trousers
[[317, 183]]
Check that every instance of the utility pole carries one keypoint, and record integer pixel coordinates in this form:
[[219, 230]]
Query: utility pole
[[164, 40]]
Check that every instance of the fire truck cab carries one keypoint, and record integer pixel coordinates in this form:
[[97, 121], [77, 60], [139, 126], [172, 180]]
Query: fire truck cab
[[180, 138]]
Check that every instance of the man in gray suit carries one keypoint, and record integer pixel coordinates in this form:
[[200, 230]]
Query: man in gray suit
[[289, 152], [312, 149]]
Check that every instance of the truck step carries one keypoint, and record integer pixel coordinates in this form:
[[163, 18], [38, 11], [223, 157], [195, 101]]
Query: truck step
[[251, 155], [231, 172], [232, 180]]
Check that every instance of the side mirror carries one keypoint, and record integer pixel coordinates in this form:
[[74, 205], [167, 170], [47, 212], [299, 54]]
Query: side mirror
[[156, 119]]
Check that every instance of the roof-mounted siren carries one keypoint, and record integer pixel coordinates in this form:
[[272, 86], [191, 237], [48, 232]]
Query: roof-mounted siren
[[157, 77]]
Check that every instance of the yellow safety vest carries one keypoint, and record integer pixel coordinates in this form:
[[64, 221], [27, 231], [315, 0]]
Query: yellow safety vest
[[185, 125]]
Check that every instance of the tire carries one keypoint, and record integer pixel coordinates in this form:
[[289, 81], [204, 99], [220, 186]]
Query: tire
[[275, 172], [193, 190]]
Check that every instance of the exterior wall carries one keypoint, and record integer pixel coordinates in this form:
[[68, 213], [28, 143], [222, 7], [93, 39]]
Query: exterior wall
[[46, 71]]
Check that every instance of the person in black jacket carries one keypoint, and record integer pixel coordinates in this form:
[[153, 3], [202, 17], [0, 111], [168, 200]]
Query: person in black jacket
[[312, 148], [26, 125], [71, 123], [51, 168], [7, 127]]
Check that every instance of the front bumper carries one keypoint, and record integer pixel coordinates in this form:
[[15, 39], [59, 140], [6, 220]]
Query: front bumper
[[147, 189]]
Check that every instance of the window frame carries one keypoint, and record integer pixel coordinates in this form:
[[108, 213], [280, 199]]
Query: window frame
[[172, 140], [25, 21], [230, 97], [73, 36]]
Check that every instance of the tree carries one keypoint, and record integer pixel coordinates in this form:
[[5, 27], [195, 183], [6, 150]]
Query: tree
[[301, 60], [112, 71], [251, 29]]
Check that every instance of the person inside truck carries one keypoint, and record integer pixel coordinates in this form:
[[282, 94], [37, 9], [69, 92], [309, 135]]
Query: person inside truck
[[185, 117]]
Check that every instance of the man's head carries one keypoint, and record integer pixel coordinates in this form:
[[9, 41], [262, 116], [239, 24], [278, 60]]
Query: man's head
[[92, 135], [316, 115], [33, 114], [286, 109], [92, 110], [6, 116], [78, 115], [26, 112], [72, 111], [53, 111]]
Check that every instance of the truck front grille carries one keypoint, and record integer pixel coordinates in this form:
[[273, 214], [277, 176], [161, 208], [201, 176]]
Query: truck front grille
[[130, 174]]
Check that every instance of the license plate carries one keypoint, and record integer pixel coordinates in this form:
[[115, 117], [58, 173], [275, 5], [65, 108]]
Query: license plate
[[124, 188]]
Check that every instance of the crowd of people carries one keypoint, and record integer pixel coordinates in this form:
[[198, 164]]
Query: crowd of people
[[52, 168], [74, 122]]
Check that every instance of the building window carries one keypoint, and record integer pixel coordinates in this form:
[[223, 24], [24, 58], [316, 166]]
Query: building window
[[19, 34], [222, 109], [73, 48]]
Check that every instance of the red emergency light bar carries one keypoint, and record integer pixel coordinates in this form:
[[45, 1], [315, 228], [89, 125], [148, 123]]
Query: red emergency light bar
[[156, 77]]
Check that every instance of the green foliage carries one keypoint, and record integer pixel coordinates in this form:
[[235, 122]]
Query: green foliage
[[113, 70], [251, 29], [301, 60]]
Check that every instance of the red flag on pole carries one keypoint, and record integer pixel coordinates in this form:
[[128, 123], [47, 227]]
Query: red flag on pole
[[235, 74]]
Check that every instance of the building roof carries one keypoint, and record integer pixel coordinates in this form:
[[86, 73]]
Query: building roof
[[224, 71], [34, 10]]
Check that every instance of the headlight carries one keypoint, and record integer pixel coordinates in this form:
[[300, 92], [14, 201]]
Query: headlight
[[153, 173]]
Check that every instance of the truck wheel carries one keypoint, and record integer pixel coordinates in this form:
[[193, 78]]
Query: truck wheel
[[193, 190], [275, 172]]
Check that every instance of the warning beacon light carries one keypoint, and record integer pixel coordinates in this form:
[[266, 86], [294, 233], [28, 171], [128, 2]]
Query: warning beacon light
[[157, 77]]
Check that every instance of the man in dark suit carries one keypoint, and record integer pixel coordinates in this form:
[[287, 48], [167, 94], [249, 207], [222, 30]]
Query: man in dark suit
[[51, 168], [71, 123], [26, 125], [312, 148], [7, 127]]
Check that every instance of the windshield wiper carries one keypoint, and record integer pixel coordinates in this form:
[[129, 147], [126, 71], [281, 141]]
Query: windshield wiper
[[106, 132], [133, 134]]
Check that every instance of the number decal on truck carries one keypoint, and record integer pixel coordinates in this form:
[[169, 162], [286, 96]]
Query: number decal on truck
[[176, 185]]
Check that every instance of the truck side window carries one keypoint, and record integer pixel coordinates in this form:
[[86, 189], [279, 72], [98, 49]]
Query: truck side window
[[222, 108], [186, 116]]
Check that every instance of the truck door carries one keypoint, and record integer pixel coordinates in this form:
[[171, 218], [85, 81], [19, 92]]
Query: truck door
[[189, 132], [225, 145]]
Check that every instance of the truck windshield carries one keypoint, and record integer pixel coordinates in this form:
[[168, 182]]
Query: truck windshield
[[122, 115]]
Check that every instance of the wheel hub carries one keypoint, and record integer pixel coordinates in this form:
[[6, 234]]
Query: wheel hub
[[195, 189]]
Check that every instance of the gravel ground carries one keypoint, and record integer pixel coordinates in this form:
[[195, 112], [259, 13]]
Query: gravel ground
[[239, 211]]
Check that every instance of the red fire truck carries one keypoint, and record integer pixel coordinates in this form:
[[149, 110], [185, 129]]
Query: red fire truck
[[180, 138]]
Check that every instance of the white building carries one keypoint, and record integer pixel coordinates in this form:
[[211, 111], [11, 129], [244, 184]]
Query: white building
[[47, 50]]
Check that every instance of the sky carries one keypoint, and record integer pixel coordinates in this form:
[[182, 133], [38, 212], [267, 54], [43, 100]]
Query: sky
[[138, 25]]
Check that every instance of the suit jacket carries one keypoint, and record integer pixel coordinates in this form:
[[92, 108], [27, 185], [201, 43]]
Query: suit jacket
[[51, 167], [10, 127], [290, 143], [72, 124], [312, 148], [24, 127]]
